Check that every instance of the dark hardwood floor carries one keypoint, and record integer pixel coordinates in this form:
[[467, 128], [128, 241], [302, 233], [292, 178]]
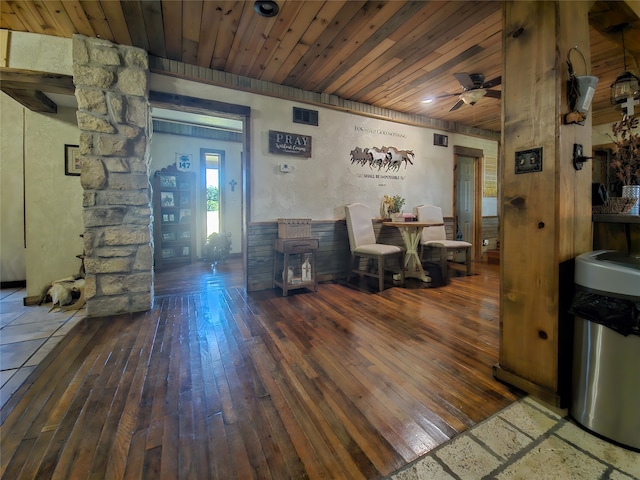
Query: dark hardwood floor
[[216, 382]]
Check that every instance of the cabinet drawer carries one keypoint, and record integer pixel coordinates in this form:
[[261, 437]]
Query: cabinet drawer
[[297, 245]]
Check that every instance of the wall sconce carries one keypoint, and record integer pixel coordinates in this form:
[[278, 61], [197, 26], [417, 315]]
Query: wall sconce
[[626, 85], [580, 91]]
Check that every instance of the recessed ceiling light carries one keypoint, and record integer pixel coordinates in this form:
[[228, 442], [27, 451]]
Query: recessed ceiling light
[[427, 100], [266, 8]]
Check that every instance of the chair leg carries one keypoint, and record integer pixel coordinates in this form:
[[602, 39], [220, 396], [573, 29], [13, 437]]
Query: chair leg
[[352, 265], [401, 265], [380, 273], [467, 260], [444, 263]]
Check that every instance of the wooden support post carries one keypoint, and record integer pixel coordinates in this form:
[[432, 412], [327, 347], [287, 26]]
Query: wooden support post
[[546, 211]]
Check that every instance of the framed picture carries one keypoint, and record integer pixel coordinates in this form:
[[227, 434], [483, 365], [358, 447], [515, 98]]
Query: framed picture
[[168, 236], [185, 235], [185, 201], [185, 216], [72, 163], [166, 199], [167, 252], [185, 251], [168, 181]]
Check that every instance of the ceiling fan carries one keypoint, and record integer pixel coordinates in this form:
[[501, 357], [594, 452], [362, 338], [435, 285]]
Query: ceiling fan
[[474, 88]]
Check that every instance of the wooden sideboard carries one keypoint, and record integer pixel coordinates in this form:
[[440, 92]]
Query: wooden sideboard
[[616, 231]]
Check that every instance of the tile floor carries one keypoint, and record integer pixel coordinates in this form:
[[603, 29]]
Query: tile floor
[[27, 334], [525, 441]]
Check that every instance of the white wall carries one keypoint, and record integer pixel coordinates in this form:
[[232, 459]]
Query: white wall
[[163, 150], [322, 185], [12, 248], [52, 201]]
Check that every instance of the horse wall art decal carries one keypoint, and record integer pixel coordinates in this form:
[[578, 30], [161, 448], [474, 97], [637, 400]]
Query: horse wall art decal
[[388, 159]]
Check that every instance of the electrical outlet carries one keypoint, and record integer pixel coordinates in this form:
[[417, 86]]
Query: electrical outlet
[[286, 168]]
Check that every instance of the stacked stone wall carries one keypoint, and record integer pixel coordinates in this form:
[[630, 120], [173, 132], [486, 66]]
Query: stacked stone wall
[[113, 115]]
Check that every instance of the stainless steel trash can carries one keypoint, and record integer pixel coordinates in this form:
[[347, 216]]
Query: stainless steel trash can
[[606, 355]]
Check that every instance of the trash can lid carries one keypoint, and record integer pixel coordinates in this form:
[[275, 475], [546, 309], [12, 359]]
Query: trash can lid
[[609, 271]]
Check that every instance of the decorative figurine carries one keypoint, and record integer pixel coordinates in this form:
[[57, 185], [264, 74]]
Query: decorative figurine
[[306, 271]]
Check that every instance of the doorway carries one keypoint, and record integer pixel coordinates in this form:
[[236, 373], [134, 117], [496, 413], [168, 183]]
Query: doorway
[[467, 203], [217, 127]]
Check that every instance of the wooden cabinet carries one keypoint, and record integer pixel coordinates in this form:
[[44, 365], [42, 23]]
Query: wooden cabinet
[[294, 264], [174, 217]]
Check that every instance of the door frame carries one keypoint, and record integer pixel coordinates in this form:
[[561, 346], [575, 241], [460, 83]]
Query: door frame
[[214, 108], [478, 156]]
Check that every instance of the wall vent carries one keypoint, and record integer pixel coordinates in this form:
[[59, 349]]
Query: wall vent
[[304, 116], [440, 140]]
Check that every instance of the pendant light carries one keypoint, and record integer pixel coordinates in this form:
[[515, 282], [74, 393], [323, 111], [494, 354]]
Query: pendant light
[[626, 85]]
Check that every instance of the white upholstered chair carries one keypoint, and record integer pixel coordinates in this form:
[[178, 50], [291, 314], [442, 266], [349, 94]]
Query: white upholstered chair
[[362, 241], [436, 238]]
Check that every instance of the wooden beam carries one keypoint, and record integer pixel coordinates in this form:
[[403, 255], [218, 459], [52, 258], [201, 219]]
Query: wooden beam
[[34, 100], [32, 80], [195, 105], [4, 47], [546, 211]]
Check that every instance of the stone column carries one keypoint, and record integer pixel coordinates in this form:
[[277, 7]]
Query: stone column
[[113, 116]]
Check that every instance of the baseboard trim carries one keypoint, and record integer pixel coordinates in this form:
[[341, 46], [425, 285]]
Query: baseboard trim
[[14, 284], [531, 388]]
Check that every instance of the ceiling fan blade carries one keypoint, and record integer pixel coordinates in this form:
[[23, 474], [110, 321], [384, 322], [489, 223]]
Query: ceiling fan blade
[[465, 80], [493, 94], [458, 104], [493, 83], [446, 95]]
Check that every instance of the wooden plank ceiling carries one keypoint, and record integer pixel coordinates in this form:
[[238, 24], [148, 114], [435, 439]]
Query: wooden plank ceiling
[[390, 54]]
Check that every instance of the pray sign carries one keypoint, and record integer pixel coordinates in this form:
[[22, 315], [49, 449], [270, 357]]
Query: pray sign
[[289, 143]]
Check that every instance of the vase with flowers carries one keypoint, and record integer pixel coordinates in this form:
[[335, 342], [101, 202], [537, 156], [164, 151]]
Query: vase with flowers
[[391, 206], [626, 158]]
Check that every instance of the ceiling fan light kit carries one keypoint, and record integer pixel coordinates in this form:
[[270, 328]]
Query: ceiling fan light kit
[[471, 97], [474, 88]]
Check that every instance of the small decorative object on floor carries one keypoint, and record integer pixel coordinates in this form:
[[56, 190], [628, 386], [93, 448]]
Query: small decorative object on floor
[[306, 270], [289, 274], [218, 247]]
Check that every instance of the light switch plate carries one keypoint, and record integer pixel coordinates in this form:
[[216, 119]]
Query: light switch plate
[[528, 161]]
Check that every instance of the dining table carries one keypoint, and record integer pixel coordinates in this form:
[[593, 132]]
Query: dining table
[[411, 232]]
